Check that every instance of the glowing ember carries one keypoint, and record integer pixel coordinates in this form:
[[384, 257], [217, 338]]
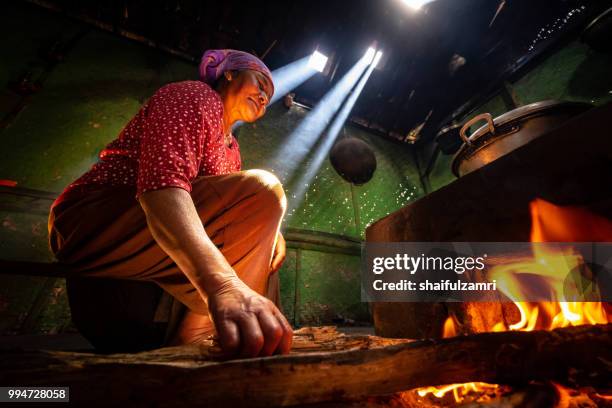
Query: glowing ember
[[450, 328], [550, 223], [460, 391], [568, 397]]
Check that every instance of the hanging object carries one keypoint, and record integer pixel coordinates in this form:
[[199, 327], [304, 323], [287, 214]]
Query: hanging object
[[354, 160]]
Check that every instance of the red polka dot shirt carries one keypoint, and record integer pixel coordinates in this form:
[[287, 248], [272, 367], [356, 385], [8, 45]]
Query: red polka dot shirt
[[175, 137]]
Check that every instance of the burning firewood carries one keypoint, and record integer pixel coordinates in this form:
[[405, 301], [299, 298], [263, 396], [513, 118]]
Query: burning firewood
[[324, 366]]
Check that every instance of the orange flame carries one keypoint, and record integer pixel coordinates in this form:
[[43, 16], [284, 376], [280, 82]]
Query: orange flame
[[550, 223], [450, 328], [460, 391]]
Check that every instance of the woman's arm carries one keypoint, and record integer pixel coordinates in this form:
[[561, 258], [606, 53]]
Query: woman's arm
[[245, 321]]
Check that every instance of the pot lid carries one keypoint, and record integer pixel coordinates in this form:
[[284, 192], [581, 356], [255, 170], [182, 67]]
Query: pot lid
[[527, 111], [600, 18], [495, 127]]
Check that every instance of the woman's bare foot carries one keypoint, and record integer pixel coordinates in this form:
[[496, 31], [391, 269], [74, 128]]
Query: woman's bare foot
[[194, 328]]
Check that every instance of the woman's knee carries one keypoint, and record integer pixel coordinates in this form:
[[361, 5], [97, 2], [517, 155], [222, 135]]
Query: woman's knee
[[270, 192]]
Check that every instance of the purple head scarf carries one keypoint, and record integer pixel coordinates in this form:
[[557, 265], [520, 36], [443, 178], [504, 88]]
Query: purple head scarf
[[215, 62]]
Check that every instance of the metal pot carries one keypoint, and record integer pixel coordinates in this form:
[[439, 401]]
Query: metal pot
[[510, 131]]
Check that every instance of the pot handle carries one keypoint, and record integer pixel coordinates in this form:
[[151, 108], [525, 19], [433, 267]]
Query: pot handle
[[483, 116]]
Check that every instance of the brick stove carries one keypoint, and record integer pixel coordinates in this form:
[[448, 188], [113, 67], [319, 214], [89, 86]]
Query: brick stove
[[570, 166]]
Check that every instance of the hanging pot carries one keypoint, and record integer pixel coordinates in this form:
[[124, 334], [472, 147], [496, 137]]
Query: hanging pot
[[354, 160], [510, 131]]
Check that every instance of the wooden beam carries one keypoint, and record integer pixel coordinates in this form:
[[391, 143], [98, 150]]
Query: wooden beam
[[296, 238], [53, 269]]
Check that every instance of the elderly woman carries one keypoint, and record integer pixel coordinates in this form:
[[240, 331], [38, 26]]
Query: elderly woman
[[167, 203]]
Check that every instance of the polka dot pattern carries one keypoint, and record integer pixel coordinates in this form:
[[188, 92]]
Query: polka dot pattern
[[174, 138]]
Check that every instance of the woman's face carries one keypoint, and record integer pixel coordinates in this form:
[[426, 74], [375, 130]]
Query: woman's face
[[249, 92]]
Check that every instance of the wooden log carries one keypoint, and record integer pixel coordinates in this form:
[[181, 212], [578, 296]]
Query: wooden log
[[415, 320], [334, 368]]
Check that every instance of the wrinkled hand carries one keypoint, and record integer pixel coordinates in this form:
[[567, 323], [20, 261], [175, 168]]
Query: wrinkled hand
[[280, 251], [247, 323]]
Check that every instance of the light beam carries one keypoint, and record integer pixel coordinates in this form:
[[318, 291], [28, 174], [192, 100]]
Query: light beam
[[376, 59], [291, 76], [416, 4], [299, 143], [328, 140], [317, 61]]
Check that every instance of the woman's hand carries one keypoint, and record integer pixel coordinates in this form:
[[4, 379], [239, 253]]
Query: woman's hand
[[280, 251], [248, 323], [245, 321]]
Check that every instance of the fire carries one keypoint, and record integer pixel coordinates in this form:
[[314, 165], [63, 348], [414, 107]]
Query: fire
[[550, 223], [450, 328], [460, 391]]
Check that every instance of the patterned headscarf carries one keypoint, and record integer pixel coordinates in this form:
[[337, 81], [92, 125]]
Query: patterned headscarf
[[215, 62]]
